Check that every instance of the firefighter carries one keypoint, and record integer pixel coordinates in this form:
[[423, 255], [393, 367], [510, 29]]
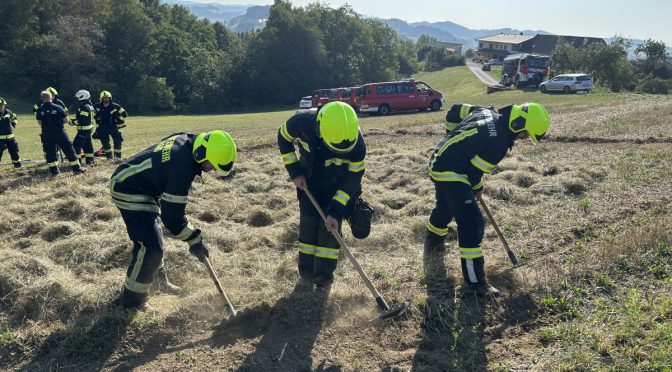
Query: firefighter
[[54, 95], [51, 118], [109, 118], [456, 168], [84, 126], [331, 166], [8, 122], [153, 183]]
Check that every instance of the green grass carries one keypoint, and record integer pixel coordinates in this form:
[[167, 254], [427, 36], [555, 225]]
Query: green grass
[[496, 73]]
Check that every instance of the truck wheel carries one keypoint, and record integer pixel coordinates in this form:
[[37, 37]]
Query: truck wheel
[[384, 109], [435, 105]]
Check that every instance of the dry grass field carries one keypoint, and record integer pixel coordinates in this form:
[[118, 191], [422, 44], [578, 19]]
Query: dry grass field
[[589, 210]]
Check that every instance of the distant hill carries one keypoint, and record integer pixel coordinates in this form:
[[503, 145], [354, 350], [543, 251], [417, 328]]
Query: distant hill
[[253, 19], [212, 11]]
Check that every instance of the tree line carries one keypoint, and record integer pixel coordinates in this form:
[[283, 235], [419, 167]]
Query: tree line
[[157, 58], [609, 65]]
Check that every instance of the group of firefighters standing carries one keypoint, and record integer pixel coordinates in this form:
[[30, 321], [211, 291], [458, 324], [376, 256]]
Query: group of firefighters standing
[[106, 116], [330, 163]]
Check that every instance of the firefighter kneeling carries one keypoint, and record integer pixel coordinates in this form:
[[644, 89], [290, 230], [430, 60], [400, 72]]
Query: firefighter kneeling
[[457, 165], [331, 167], [153, 183]]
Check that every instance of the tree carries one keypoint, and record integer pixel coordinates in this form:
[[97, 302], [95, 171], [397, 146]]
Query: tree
[[609, 64], [566, 58], [655, 53]]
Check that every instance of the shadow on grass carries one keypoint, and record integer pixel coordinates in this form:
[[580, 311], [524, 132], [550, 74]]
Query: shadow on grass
[[453, 328], [87, 344], [288, 329]]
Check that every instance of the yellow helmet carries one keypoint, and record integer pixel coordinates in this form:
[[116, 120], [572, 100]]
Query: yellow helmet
[[531, 117], [218, 148], [105, 93], [53, 91], [338, 125]]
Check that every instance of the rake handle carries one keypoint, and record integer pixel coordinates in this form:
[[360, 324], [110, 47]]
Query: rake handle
[[215, 279], [344, 247], [509, 252]]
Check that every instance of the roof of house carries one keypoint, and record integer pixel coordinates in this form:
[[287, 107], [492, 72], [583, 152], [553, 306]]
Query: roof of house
[[506, 38], [544, 44]]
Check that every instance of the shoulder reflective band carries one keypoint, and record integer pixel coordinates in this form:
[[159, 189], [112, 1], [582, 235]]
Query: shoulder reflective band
[[132, 169], [285, 134], [456, 139]]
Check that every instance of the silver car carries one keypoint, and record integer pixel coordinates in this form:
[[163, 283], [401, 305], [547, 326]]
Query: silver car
[[568, 83], [306, 102]]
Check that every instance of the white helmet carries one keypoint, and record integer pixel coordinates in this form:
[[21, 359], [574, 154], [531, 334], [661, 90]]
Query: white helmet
[[83, 94]]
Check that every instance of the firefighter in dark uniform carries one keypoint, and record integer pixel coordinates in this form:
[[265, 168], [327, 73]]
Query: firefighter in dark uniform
[[456, 168], [51, 118], [7, 124], [109, 118], [84, 124], [331, 166], [54, 97], [153, 183], [459, 112]]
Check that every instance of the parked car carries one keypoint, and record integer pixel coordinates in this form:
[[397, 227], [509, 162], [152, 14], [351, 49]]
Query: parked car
[[568, 83], [306, 102], [404, 95], [493, 62]]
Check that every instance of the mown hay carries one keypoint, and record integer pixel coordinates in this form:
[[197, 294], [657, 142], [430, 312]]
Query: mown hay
[[56, 231], [259, 218]]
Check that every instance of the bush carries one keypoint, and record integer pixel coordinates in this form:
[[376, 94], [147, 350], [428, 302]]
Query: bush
[[654, 86], [152, 94]]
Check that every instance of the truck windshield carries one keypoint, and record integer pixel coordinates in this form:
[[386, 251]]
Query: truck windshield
[[533, 62]]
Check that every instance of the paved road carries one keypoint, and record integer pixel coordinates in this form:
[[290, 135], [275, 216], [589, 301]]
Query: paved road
[[483, 76]]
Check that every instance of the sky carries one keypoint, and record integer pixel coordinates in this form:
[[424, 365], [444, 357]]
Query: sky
[[641, 19]]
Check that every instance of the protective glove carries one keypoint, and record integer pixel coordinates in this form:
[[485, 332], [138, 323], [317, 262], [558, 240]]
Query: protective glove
[[199, 250], [196, 246]]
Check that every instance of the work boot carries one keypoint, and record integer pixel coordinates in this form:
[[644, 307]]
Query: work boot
[[108, 155], [324, 287], [18, 165], [54, 171], [483, 290], [166, 286], [434, 243], [78, 170], [303, 284]]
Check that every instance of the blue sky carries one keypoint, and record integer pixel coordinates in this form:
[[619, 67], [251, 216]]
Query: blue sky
[[640, 19]]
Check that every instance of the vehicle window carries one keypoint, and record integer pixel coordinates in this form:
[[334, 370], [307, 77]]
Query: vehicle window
[[387, 89], [358, 92], [537, 62], [422, 87], [324, 94], [346, 93], [366, 90], [583, 78], [405, 88]]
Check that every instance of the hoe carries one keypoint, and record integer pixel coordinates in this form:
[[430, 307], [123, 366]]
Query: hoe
[[388, 313]]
